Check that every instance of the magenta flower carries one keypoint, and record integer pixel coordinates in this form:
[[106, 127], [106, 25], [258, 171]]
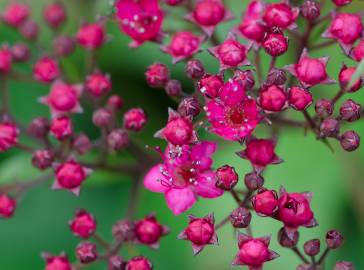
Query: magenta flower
[[8, 135], [141, 20], [185, 175]]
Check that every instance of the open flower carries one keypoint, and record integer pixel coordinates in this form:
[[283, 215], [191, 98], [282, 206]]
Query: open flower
[[185, 175]]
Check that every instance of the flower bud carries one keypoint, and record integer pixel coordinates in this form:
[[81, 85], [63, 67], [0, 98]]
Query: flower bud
[[245, 78], [183, 45], [39, 127], [345, 78], [20, 52], [288, 239], [272, 98], [157, 75], [86, 252], [275, 43], [312, 247], [231, 53], [148, 231], [116, 262], [5, 59], [350, 110], [173, 88], [344, 266], [178, 131], [227, 177], [82, 144], [139, 263], [91, 35], [15, 13], [70, 175], [46, 70], [98, 84], [61, 127], [42, 159], [329, 127], [118, 139], [83, 224], [29, 30], [7, 206], [189, 107], [232, 93], [280, 15], [334, 239], [299, 98], [102, 118], [253, 181], [135, 119], [8, 135], [324, 108], [350, 140], [194, 69], [115, 103], [240, 217], [265, 202], [276, 76], [208, 13], [60, 262], [64, 45], [209, 85], [310, 10], [123, 230], [54, 14]]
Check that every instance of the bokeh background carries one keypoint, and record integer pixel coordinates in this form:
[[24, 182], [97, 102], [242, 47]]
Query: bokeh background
[[40, 223]]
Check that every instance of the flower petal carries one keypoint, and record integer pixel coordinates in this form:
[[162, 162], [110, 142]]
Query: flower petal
[[180, 200], [206, 186], [152, 179]]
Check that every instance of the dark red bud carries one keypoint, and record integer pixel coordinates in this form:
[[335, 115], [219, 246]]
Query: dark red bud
[[240, 217], [334, 239]]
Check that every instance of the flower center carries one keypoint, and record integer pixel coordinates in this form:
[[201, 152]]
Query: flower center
[[235, 116], [140, 22]]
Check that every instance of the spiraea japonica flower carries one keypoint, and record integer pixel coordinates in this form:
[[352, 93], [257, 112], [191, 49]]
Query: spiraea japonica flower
[[15, 13], [280, 15], [135, 119], [7, 206], [185, 175], [59, 262], [200, 232], [83, 224], [86, 252], [98, 84], [8, 135], [54, 14], [91, 35], [20, 52], [61, 127], [46, 70], [139, 263]]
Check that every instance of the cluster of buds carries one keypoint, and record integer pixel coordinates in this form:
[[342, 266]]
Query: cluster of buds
[[229, 103]]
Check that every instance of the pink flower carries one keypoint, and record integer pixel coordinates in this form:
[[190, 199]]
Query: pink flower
[[260, 152], [8, 135], [294, 210], [141, 20], [46, 70], [183, 45], [98, 84], [210, 85], [15, 14], [310, 71], [253, 252], [135, 119], [54, 14], [200, 232], [139, 263], [233, 122], [346, 28], [272, 98], [275, 43], [345, 77], [63, 98], [185, 174], [231, 53], [83, 224], [61, 127], [157, 75], [5, 59], [280, 15], [91, 35], [299, 98], [357, 53], [179, 129], [265, 202], [208, 14], [60, 262], [7, 206], [86, 252]]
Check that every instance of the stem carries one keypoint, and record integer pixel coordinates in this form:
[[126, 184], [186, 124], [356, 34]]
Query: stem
[[323, 256], [338, 95], [5, 94], [310, 121], [101, 241], [300, 255], [272, 63], [235, 196], [323, 45], [222, 222], [313, 259], [121, 168], [258, 66]]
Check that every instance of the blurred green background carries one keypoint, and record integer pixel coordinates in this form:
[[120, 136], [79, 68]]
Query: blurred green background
[[40, 222]]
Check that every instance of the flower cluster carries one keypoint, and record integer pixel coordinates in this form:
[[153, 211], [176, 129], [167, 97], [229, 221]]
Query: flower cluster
[[229, 104]]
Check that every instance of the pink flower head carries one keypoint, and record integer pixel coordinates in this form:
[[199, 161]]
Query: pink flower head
[[275, 43], [59, 262], [15, 14], [91, 35], [231, 53], [357, 53], [210, 85], [294, 210], [200, 232], [8, 135], [299, 98], [54, 14], [5, 59], [265, 202], [310, 71], [135, 119], [86, 252], [208, 14], [341, 3], [179, 129], [139, 263], [98, 84], [46, 70], [346, 28], [115, 103], [260, 153], [185, 174], [140, 20], [29, 30], [272, 98], [280, 15], [253, 252], [63, 98], [20, 52], [83, 224], [345, 78], [157, 75], [148, 231], [183, 45], [7, 206], [233, 122], [227, 177], [174, 2], [61, 127], [232, 92], [64, 45], [70, 175]]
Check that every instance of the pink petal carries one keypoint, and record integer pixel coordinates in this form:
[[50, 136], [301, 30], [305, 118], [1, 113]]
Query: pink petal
[[180, 200], [206, 186], [202, 154], [152, 179]]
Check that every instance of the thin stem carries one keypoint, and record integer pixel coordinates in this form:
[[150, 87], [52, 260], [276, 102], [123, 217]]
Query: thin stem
[[121, 168], [101, 241], [5, 94], [300, 255], [323, 45], [310, 121], [314, 264], [272, 63], [235, 196], [222, 222], [323, 256], [258, 65], [338, 95]]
